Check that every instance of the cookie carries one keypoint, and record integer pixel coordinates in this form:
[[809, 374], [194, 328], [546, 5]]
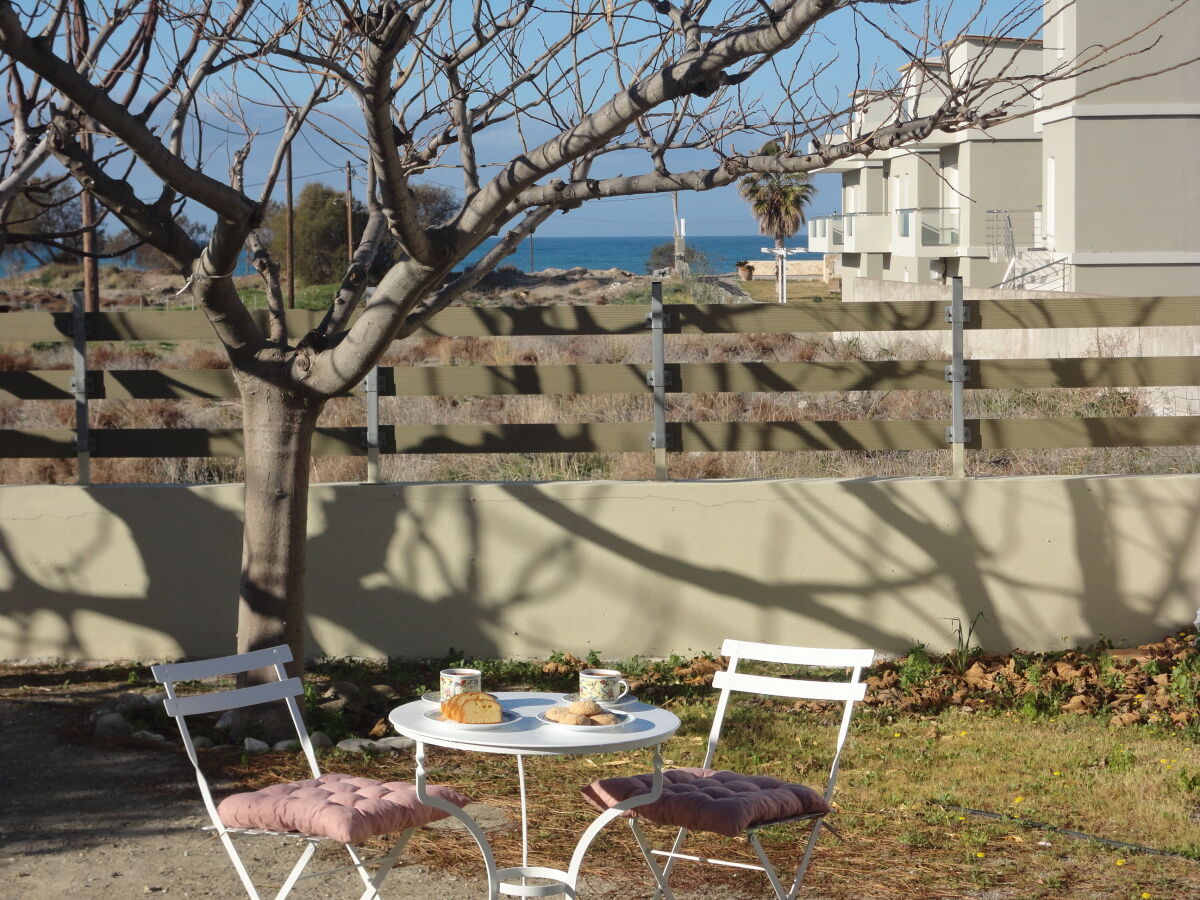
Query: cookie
[[564, 716], [604, 719], [586, 708]]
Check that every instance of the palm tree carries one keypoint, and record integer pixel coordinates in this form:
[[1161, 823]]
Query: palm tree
[[777, 201]]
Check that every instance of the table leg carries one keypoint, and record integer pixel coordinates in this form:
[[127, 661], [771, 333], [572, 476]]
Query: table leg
[[524, 810], [613, 812], [469, 823]]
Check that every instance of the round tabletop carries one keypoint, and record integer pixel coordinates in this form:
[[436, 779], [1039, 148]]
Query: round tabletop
[[527, 734]]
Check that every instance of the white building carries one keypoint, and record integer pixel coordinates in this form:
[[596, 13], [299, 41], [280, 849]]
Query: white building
[[1099, 195]]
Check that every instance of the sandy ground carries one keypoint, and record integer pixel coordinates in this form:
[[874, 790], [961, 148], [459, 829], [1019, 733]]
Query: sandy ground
[[104, 821]]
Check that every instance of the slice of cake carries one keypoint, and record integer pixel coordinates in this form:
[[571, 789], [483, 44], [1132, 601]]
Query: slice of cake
[[472, 708]]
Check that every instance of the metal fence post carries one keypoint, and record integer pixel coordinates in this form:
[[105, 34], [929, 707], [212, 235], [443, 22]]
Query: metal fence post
[[958, 434], [79, 387], [657, 379], [371, 386]]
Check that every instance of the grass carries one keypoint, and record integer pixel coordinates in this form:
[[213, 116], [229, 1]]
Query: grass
[[946, 801], [911, 791], [762, 290]]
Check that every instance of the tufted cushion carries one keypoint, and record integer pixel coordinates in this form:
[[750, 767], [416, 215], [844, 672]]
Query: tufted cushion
[[340, 807], [705, 800]]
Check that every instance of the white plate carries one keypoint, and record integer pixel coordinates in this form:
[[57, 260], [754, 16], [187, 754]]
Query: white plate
[[507, 717], [623, 719], [607, 704]]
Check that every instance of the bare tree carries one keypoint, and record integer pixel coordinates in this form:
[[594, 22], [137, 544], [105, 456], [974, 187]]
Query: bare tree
[[536, 106]]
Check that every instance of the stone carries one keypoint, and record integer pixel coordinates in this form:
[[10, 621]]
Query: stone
[[386, 691], [346, 689], [357, 745], [288, 746], [254, 745], [396, 743], [99, 711], [320, 741], [129, 701], [487, 816], [334, 706], [148, 736], [203, 742], [156, 698], [112, 725]]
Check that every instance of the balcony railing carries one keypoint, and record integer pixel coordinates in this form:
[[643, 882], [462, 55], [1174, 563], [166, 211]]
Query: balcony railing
[[922, 227], [826, 234], [866, 232]]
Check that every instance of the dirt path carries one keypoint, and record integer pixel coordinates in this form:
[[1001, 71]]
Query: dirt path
[[105, 821]]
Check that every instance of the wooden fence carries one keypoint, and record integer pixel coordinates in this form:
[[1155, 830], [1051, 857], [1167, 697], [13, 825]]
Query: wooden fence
[[614, 437]]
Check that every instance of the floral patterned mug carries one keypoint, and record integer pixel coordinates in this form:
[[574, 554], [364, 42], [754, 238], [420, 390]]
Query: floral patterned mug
[[459, 681], [604, 685]]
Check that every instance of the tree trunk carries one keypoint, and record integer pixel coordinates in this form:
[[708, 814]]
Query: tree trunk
[[278, 428]]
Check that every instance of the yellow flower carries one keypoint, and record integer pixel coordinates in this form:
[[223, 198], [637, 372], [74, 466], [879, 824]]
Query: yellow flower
[[1120, 862], [1163, 761], [897, 734], [980, 854], [962, 734], [1018, 800], [962, 818], [1146, 895], [1056, 772]]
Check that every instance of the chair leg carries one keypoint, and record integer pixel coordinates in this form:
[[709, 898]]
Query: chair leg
[[808, 851], [294, 876], [227, 841], [385, 865], [660, 878], [676, 846], [768, 869]]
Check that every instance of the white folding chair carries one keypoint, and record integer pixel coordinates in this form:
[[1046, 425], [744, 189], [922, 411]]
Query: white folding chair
[[732, 804], [327, 807]]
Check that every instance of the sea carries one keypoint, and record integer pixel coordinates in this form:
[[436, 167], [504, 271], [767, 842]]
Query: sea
[[537, 253]]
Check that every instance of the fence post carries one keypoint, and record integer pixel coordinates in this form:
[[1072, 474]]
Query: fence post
[[657, 379], [79, 387], [958, 434], [371, 386]]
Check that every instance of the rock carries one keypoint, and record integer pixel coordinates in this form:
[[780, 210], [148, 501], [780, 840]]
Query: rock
[[357, 745], [156, 698], [112, 725], [288, 746], [320, 741], [128, 702], [254, 745], [148, 736], [346, 689], [100, 711], [396, 743], [334, 705], [202, 742], [386, 691], [487, 816], [227, 720]]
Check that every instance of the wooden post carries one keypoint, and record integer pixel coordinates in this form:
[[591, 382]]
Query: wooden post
[[290, 253]]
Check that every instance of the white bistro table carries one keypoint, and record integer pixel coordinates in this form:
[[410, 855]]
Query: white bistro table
[[527, 735]]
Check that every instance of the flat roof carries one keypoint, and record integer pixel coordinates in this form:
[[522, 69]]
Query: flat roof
[[993, 39]]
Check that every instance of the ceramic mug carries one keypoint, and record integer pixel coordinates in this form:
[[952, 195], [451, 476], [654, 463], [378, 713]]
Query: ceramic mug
[[602, 685], [459, 681]]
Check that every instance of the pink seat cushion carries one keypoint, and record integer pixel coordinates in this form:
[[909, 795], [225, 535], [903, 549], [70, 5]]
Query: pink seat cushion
[[340, 807], [705, 800]]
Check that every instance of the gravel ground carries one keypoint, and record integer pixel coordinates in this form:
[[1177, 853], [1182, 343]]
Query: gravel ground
[[105, 821]]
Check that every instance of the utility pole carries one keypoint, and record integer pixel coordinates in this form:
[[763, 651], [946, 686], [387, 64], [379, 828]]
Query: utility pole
[[349, 217], [290, 254]]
